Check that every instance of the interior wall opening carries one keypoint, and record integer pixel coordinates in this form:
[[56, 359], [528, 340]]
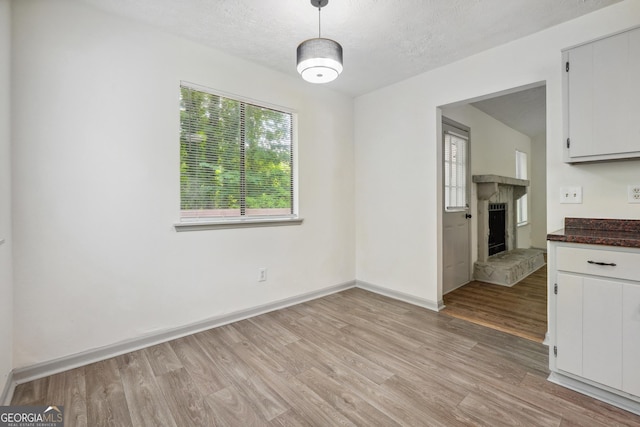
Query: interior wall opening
[[508, 152]]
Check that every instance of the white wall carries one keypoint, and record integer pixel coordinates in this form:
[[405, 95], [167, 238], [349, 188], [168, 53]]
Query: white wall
[[398, 172], [493, 144], [6, 280], [493, 152], [538, 198], [96, 186]]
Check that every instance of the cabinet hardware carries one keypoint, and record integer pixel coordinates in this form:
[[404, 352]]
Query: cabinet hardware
[[555, 350], [568, 142], [567, 68], [610, 264], [555, 288]]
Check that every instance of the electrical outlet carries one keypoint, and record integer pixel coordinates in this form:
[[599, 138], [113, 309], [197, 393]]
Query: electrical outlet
[[633, 193], [262, 274], [571, 195]]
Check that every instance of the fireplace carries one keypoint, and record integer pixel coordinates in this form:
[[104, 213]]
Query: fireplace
[[499, 259], [497, 220], [497, 228]]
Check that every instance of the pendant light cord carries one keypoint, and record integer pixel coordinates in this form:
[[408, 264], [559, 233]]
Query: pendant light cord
[[319, 9]]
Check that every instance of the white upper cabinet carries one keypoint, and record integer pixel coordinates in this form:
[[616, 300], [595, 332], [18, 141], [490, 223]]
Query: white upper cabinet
[[601, 96]]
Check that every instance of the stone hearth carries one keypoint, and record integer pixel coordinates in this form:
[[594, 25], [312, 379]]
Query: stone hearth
[[508, 268]]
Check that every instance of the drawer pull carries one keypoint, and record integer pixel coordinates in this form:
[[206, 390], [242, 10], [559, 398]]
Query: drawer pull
[[610, 264]]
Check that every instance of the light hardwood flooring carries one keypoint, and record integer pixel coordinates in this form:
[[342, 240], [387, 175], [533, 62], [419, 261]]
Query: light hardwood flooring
[[352, 358], [519, 310]]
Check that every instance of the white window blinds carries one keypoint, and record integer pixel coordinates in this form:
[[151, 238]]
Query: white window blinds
[[236, 158], [455, 168]]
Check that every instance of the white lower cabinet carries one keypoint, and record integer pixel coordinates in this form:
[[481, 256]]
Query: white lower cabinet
[[631, 339], [589, 333], [595, 317], [569, 324], [602, 332]]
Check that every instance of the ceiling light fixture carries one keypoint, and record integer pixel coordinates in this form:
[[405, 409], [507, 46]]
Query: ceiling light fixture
[[319, 60]]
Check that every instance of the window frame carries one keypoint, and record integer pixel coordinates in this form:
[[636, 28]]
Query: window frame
[[462, 132], [522, 204], [205, 223]]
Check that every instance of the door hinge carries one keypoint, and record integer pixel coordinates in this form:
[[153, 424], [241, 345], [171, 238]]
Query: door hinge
[[555, 288], [568, 142], [567, 67], [555, 351]]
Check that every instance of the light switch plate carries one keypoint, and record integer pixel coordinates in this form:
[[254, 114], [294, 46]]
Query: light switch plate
[[571, 194]]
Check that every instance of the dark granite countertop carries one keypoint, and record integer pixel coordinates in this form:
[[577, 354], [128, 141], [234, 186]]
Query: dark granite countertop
[[599, 231]]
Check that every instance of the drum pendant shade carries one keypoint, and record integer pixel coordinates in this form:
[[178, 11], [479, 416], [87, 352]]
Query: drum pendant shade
[[319, 59]]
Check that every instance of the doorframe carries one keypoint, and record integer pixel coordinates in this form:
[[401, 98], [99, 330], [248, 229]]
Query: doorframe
[[440, 173]]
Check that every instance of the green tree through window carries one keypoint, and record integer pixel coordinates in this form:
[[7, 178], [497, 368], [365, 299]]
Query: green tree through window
[[236, 158]]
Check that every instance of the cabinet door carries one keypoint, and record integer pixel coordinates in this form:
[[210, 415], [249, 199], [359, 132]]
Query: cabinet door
[[631, 339], [569, 323], [579, 93], [601, 105], [611, 101], [602, 331]]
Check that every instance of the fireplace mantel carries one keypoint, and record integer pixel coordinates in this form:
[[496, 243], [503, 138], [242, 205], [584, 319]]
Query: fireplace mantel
[[487, 185]]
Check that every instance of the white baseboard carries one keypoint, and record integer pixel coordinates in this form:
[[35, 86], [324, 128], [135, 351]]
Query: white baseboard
[[40, 370], [7, 391], [43, 369], [606, 396], [411, 299]]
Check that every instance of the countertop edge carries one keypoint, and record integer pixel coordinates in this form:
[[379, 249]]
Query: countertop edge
[[595, 240]]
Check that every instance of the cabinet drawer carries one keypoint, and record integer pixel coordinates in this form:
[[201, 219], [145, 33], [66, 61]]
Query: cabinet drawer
[[590, 261]]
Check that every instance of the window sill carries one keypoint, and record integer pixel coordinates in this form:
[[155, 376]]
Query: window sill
[[235, 223], [523, 224]]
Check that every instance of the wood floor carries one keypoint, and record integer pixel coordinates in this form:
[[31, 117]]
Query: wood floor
[[519, 310], [349, 359]]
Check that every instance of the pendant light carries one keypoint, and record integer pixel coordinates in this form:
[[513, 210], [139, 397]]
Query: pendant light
[[319, 60]]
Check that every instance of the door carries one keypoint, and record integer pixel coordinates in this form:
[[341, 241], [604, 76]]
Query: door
[[602, 331], [589, 328], [630, 341], [456, 216], [601, 92], [569, 323]]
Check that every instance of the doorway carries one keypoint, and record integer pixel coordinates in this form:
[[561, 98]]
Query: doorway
[[503, 124]]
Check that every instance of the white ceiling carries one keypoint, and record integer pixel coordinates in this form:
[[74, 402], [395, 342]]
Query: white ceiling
[[524, 111], [384, 41]]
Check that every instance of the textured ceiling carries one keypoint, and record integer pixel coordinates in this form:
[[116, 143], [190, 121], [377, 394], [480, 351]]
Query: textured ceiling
[[384, 41], [524, 111]]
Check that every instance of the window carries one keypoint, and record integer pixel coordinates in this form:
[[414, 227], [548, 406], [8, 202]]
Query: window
[[236, 158], [521, 173], [455, 167]]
